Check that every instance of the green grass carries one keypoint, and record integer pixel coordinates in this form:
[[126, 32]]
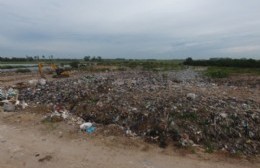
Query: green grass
[[11, 67], [217, 73], [122, 65], [147, 65], [25, 70], [7, 63], [223, 72], [209, 148]]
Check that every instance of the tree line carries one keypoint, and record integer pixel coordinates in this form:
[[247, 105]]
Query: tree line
[[25, 59], [93, 58], [16, 59], [224, 62], [50, 57]]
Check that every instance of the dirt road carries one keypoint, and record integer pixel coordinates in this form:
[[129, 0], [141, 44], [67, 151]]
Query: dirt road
[[29, 147]]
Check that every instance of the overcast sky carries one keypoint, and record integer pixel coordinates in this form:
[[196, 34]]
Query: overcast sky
[[162, 29]]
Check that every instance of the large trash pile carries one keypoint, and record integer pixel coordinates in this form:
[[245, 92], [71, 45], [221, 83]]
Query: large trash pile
[[159, 107]]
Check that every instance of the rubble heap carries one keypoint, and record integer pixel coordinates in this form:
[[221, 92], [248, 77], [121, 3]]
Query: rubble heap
[[162, 108]]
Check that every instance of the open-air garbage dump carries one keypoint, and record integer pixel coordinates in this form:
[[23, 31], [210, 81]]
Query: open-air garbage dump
[[177, 107]]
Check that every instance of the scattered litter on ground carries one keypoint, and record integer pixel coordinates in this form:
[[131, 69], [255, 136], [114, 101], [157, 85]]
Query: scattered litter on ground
[[191, 96], [9, 107], [87, 127], [42, 81], [8, 94], [56, 116]]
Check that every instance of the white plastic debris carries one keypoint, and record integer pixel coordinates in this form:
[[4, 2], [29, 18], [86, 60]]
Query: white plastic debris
[[5, 101], [33, 82], [8, 94], [223, 115], [2, 94], [24, 105], [42, 81], [85, 126], [191, 96], [11, 93], [17, 102], [65, 114]]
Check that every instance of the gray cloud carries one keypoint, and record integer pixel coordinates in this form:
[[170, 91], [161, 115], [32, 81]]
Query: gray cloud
[[131, 29]]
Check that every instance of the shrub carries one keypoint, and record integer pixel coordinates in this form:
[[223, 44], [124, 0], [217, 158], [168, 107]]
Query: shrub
[[217, 73], [22, 70], [74, 64]]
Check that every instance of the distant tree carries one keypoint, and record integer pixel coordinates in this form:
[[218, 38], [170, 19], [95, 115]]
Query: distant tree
[[74, 64], [224, 62], [99, 58], [28, 58], [93, 58], [36, 57], [86, 58], [188, 61]]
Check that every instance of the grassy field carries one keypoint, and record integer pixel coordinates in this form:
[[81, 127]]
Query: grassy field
[[6, 66], [155, 65], [124, 64], [222, 72]]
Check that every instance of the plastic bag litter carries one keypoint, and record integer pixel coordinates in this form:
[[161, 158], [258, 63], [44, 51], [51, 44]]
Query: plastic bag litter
[[191, 96], [90, 129], [42, 81], [2, 94], [11, 93], [9, 107], [85, 126], [33, 82]]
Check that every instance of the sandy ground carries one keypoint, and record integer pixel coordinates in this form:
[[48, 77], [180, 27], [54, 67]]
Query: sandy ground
[[25, 142]]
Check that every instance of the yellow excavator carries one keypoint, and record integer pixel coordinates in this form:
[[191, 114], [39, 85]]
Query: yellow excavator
[[60, 72]]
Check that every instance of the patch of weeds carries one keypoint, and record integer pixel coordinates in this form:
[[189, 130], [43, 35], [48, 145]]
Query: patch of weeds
[[22, 70], [50, 125], [237, 154], [121, 69], [204, 122], [7, 67], [217, 73], [189, 116], [92, 100], [53, 119], [191, 149], [209, 147]]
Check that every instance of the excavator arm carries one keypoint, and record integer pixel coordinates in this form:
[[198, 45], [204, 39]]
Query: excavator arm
[[59, 71], [40, 66]]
